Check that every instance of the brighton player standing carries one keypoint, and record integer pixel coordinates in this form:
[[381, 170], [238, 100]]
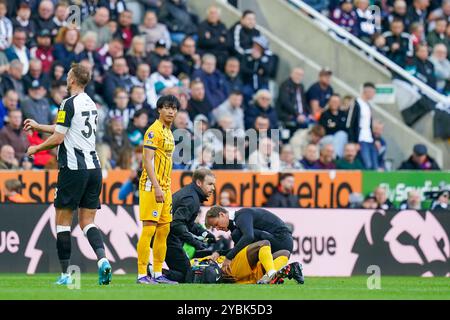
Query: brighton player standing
[[80, 177], [155, 197]]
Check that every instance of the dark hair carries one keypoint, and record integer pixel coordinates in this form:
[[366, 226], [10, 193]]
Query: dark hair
[[136, 87], [335, 95], [168, 100], [247, 12], [201, 173], [214, 212], [368, 85], [119, 90], [397, 20], [236, 92], [196, 81], [285, 175], [82, 75], [318, 130]]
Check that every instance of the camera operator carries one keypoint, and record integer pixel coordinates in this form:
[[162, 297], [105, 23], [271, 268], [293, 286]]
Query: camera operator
[[441, 201]]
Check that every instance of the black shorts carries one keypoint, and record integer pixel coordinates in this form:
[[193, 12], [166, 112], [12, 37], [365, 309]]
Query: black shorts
[[78, 189]]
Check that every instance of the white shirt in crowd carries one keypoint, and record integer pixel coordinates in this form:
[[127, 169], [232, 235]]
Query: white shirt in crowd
[[365, 133]]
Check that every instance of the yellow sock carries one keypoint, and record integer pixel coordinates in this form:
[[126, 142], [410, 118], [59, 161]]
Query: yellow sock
[[160, 246], [266, 259], [280, 262], [143, 248]]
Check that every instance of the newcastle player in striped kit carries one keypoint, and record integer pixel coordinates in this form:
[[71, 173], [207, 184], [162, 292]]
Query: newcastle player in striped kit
[[80, 177]]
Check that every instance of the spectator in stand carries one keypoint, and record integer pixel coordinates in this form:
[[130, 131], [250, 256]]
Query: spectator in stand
[[360, 127], [213, 36], [61, 14], [418, 11], [382, 200], [162, 80], [231, 107], [370, 202], [159, 53], [142, 79], [13, 134], [6, 26], [182, 129], [121, 109], [180, 22], [153, 31], [398, 13], [117, 77], [442, 12], [67, 47], [233, 80], [203, 159], [227, 198], [442, 68], [346, 17], [292, 108], [287, 158], [257, 67], [380, 143], [399, 43], [262, 105], [18, 50], [23, 21], [44, 50], [126, 30], [242, 33], [413, 202], [115, 7], [349, 161], [89, 52], [417, 33], [112, 50], [265, 158], [422, 68], [213, 80], [231, 159], [36, 106], [310, 157], [320, 92], [13, 189], [44, 19], [187, 60], [419, 160], [58, 92], [117, 139], [366, 28], [8, 103], [136, 54], [442, 201], [334, 122], [35, 73], [439, 34], [57, 72], [379, 44], [8, 160], [198, 104], [12, 79], [326, 158], [303, 137], [98, 23], [136, 129], [205, 137], [283, 196]]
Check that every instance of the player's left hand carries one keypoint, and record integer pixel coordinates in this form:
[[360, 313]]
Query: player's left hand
[[226, 266], [32, 150], [215, 256], [209, 237]]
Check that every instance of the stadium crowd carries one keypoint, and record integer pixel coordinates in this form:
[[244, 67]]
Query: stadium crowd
[[221, 74]]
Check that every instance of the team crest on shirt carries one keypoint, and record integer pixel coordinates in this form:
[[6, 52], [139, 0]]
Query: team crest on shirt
[[155, 213], [151, 135]]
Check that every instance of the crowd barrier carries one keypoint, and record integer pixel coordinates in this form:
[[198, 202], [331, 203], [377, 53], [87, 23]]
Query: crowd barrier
[[328, 242], [315, 189]]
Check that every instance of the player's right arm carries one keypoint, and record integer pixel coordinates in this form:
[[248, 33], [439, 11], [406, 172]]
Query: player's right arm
[[30, 124], [149, 154]]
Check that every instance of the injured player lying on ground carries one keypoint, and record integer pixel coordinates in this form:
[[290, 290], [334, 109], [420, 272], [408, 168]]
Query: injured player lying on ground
[[255, 264]]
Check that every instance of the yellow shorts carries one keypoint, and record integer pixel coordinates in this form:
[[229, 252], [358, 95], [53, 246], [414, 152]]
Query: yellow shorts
[[241, 270], [150, 210]]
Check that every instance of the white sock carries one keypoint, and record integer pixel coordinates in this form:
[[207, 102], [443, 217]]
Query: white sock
[[99, 263], [141, 275], [64, 274], [157, 274], [271, 272]]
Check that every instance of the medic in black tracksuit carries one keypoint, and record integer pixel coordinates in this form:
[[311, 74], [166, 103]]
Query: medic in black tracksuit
[[183, 229]]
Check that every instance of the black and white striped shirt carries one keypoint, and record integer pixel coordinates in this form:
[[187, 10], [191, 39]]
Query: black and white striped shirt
[[77, 119]]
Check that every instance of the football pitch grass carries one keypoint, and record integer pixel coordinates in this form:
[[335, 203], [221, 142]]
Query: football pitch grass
[[123, 287]]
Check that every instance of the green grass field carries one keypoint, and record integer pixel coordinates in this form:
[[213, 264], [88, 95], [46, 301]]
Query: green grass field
[[16, 286]]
